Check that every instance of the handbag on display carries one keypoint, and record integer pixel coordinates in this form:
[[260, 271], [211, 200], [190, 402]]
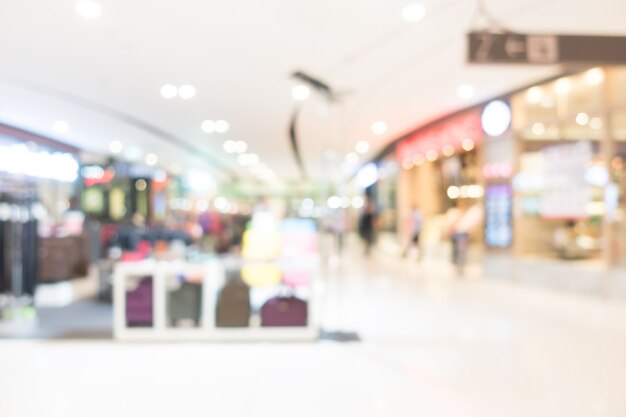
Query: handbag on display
[[233, 304], [284, 312], [139, 304], [296, 278], [261, 244], [261, 274], [185, 303]]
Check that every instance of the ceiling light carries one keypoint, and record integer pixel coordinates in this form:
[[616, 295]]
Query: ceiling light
[[413, 12], [582, 119], [407, 164], [89, 9], [169, 91], [539, 129], [379, 128], [187, 91], [468, 144], [151, 159], [563, 86], [534, 95], [230, 146], [363, 147], [221, 126], [208, 126], [240, 146], [300, 92], [596, 123], [594, 76], [465, 91], [61, 127], [116, 147], [448, 150], [419, 160], [432, 155]]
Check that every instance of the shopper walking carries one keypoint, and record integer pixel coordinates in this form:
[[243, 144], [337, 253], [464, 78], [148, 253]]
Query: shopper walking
[[367, 226], [415, 226]]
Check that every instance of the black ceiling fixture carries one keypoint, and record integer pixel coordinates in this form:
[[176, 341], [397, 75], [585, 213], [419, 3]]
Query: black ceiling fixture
[[324, 90]]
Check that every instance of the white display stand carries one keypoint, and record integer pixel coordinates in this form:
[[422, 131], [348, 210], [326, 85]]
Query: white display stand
[[213, 273]]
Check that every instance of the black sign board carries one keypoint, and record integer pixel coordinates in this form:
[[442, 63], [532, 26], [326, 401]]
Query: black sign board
[[515, 48]]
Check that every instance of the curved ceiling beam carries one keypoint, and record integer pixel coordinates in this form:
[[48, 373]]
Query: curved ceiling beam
[[124, 118]]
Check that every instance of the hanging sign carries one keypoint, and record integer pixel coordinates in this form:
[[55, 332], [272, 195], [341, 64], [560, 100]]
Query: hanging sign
[[516, 48]]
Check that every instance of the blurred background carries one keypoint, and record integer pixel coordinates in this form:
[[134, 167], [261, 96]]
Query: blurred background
[[313, 207]]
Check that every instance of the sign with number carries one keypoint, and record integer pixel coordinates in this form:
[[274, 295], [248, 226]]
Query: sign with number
[[515, 48]]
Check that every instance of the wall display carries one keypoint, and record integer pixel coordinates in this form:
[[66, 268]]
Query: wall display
[[498, 222], [566, 192], [93, 200]]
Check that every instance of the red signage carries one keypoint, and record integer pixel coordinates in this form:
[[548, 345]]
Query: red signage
[[462, 132]]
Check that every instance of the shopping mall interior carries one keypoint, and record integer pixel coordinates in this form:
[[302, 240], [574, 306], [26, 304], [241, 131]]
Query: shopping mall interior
[[313, 208]]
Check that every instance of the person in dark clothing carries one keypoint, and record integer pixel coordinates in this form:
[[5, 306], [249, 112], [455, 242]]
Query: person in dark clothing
[[367, 229]]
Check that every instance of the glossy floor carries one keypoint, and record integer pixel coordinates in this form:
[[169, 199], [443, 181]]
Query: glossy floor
[[433, 345]]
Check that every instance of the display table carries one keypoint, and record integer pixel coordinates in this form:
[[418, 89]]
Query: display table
[[160, 279]]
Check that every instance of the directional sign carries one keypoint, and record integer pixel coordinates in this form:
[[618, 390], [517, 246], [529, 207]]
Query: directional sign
[[515, 48]]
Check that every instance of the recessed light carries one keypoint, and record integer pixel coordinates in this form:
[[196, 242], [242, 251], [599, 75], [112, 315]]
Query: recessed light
[[448, 150], [539, 129], [432, 155], [594, 76], [230, 146], [363, 146], [169, 91], [563, 86], [208, 126], [221, 126], [465, 91], [582, 119], [89, 9], [300, 92], [61, 127], [413, 12], [187, 91], [151, 159], [468, 144], [116, 147], [379, 127]]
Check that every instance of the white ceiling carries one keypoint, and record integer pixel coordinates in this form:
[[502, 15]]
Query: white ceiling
[[103, 76]]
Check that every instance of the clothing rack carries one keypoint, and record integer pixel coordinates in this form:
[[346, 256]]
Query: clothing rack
[[20, 212]]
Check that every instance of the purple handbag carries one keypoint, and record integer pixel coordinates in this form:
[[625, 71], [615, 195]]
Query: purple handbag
[[284, 312], [139, 304]]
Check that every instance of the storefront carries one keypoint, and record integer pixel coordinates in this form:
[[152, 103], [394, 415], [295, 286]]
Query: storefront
[[546, 164], [569, 187], [440, 169]]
